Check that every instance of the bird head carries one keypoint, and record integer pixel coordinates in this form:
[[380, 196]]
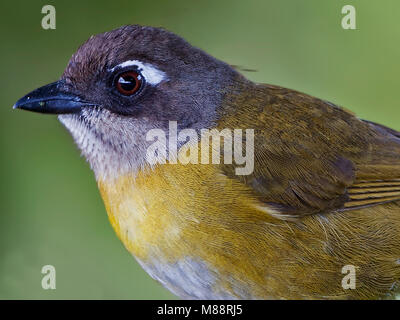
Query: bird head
[[123, 83]]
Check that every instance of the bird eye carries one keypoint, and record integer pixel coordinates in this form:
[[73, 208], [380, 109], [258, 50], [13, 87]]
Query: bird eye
[[127, 83]]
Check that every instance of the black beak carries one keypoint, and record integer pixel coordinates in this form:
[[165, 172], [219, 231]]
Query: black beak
[[52, 98]]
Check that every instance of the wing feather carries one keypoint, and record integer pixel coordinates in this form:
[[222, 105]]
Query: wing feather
[[312, 156]]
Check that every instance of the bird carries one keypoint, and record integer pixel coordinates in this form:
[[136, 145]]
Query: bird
[[321, 196]]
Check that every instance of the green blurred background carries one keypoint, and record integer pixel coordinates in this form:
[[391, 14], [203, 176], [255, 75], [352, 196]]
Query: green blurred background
[[51, 211]]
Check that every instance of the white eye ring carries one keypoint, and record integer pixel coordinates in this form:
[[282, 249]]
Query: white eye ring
[[151, 74]]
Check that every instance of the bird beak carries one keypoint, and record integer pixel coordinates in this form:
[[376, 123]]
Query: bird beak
[[52, 98]]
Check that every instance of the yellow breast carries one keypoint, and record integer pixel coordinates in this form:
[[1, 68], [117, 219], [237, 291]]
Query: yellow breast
[[177, 213]]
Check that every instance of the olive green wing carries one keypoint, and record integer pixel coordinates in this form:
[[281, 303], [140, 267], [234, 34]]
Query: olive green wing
[[311, 156], [378, 177]]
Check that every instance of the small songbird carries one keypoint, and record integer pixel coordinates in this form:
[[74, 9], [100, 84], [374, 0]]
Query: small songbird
[[316, 217]]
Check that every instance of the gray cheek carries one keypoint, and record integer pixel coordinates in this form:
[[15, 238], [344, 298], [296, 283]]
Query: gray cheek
[[112, 145]]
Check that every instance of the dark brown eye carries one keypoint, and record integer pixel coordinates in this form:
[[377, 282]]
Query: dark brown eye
[[128, 83]]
